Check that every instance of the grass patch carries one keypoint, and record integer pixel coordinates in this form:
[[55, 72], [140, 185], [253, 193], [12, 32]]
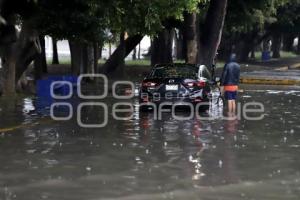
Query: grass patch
[[147, 62], [220, 64], [142, 62], [67, 61], [63, 60], [283, 54]]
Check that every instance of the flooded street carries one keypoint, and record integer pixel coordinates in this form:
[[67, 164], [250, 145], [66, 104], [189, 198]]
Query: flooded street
[[144, 158]]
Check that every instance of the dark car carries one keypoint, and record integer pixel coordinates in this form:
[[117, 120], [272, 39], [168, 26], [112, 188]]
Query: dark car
[[176, 83]]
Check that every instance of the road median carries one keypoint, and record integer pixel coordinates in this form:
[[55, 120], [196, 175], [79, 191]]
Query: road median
[[272, 77]]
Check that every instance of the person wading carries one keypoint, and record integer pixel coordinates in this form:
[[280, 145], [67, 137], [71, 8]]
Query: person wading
[[229, 81]]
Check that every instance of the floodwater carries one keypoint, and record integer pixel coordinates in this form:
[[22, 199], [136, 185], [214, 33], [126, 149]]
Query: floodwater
[[144, 158]]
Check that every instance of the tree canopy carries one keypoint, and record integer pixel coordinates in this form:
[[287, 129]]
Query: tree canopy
[[198, 23], [91, 19]]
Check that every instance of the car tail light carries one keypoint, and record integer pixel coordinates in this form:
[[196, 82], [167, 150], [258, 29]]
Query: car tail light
[[190, 84], [201, 83], [196, 84], [149, 84], [197, 100]]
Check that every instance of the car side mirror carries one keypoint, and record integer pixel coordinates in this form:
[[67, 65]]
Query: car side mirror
[[215, 81]]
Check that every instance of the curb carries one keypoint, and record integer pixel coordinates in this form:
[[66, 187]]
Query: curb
[[268, 81]]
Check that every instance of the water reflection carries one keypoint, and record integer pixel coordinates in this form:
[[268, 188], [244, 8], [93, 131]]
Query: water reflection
[[186, 142], [28, 106], [145, 158]]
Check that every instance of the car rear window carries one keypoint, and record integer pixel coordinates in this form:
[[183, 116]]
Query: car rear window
[[174, 72]]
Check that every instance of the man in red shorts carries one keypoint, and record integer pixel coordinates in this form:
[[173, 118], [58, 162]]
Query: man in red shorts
[[230, 80]]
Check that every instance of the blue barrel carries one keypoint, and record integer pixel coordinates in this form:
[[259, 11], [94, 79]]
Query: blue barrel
[[43, 86], [266, 55]]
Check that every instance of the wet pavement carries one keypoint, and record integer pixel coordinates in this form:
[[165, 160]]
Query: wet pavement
[[144, 158]]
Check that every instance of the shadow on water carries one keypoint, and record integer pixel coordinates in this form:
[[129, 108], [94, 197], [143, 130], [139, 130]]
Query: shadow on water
[[145, 158]]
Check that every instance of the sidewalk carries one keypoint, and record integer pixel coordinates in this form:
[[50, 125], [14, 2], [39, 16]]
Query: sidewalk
[[272, 77], [275, 72]]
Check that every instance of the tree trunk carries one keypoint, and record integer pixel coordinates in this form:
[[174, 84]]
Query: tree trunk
[[252, 55], [226, 47], [97, 55], [139, 51], [155, 54], [82, 58], [117, 58], [245, 49], [179, 46], [134, 54], [109, 49], [76, 50], [276, 45], [288, 42], [184, 47], [55, 60], [175, 46], [40, 62], [122, 50], [16, 57], [298, 46], [28, 48], [100, 49], [190, 26], [90, 61], [212, 31], [246, 45], [161, 48], [8, 71], [85, 57]]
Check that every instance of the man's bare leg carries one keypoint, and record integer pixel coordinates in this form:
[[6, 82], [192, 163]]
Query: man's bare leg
[[230, 106], [232, 109], [234, 106]]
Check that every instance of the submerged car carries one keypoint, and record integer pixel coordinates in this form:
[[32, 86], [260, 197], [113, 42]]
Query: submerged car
[[176, 83]]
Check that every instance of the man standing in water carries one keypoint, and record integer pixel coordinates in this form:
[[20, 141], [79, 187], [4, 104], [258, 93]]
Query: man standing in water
[[229, 82]]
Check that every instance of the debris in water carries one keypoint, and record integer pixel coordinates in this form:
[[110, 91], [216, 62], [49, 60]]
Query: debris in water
[[220, 163], [285, 139], [192, 160], [292, 131], [137, 158], [88, 169]]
